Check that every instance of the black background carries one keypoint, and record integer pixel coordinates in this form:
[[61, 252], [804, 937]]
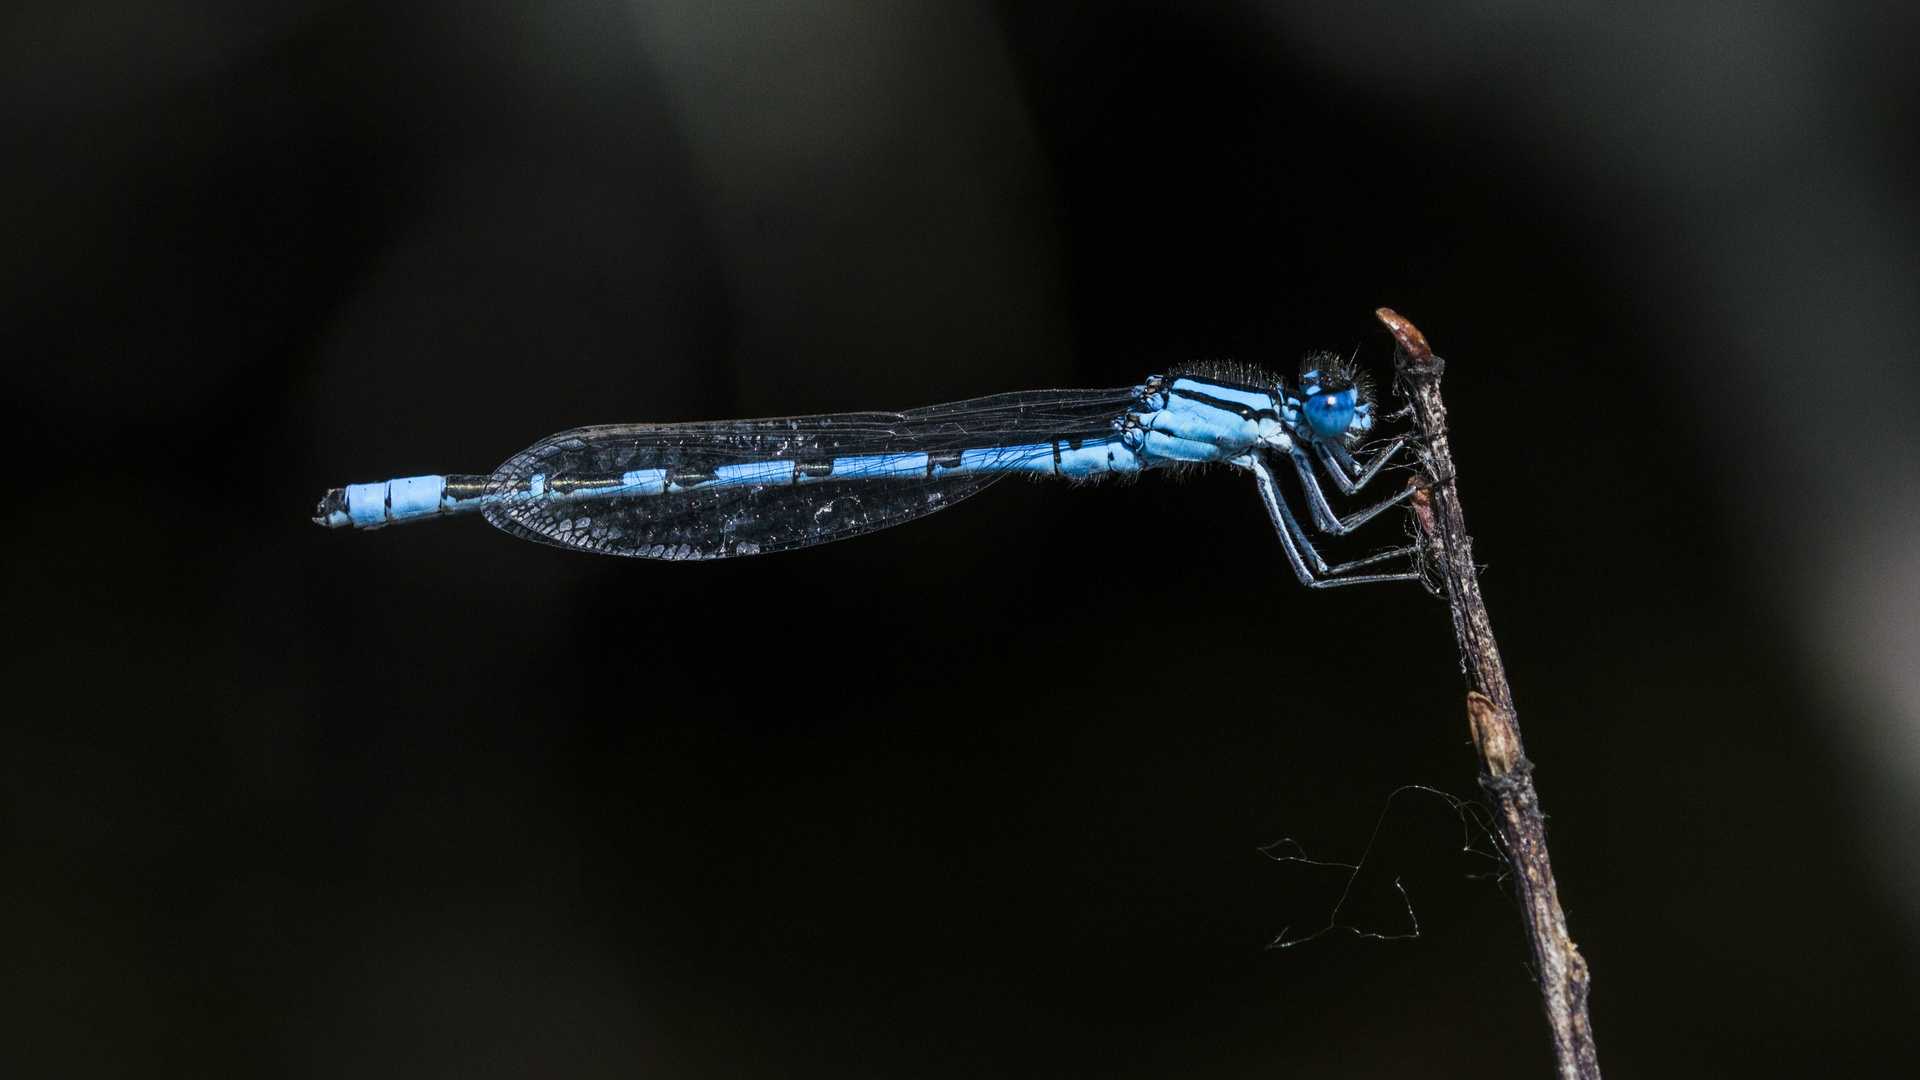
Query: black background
[[981, 795]]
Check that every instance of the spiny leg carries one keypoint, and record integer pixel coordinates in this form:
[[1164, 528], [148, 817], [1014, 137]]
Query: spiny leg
[[1283, 522], [1392, 553], [1306, 544], [1336, 459], [1319, 564], [1349, 475], [1294, 539], [1323, 516], [1335, 575], [1362, 579]]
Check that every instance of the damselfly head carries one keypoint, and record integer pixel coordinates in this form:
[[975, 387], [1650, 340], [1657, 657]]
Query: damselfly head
[[1335, 397]]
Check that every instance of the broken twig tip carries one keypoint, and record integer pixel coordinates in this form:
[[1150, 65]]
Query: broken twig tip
[[1418, 355]]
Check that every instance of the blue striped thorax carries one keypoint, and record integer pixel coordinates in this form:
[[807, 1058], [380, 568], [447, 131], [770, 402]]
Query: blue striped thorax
[[1221, 412], [1197, 417]]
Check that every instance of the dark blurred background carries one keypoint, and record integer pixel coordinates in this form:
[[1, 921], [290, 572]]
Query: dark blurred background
[[984, 794]]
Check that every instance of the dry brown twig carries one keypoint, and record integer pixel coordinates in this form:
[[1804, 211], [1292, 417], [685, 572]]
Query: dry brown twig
[[1506, 774]]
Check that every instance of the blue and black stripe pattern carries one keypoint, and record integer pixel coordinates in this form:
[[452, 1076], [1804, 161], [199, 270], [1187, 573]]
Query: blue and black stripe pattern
[[747, 487]]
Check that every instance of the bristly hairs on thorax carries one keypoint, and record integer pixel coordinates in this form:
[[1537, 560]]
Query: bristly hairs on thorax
[[1229, 371], [1335, 371]]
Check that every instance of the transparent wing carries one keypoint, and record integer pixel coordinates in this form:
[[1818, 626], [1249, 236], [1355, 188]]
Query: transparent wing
[[552, 491]]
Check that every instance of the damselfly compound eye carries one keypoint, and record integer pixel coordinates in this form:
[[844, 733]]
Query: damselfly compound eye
[[1331, 414]]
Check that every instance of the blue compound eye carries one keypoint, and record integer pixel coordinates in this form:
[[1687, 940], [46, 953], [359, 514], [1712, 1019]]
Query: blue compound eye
[[1330, 415]]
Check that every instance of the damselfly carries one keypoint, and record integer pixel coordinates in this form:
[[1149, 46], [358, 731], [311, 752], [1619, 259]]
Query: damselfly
[[746, 487]]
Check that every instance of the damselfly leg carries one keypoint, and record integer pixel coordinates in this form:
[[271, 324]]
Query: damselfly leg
[[1312, 570], [1349, 475], [1324, 518]]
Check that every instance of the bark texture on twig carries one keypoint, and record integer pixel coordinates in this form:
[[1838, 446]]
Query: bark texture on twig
[[1507, 774]]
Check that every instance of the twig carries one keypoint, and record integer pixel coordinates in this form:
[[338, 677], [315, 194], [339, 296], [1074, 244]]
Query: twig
[[1507, 774]]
